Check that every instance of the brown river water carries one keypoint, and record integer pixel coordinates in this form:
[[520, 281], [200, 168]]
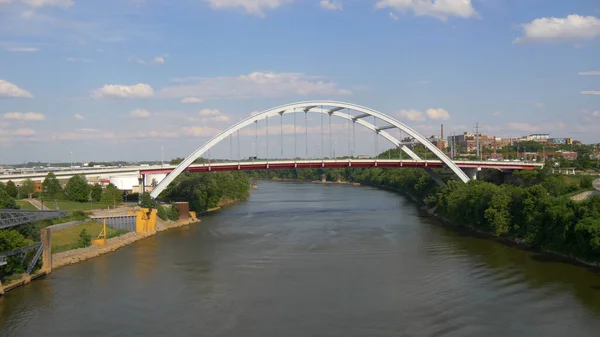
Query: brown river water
[[310, 260]]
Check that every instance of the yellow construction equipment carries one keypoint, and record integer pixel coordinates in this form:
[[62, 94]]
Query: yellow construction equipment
[[101, 239]]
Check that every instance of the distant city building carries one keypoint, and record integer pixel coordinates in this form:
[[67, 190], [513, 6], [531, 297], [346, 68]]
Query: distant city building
[[569, 155], [468, 141], [537, 137]]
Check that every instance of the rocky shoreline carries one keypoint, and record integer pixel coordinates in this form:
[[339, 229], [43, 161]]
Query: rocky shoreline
[[78, 255]]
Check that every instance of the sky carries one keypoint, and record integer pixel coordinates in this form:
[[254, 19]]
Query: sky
[[122, 79]]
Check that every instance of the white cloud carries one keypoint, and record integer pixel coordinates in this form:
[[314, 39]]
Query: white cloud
[[255, 7], [393, 16], [8, 89], [17, 132], [539, 105], [548, 29], [191, 100], [139, 113], [331, 4], [208, 119], [84, 134], [589, 73], [256, 85], [419, 116], [209, 112], [411, 115], [441, 9], [27, 14], [140, 90], [42, 3], [23, 49], [156, 60], [438, 114], [78, 116], [73, 59], [592, 92], [24, 116], [591, 115], [200, 131]]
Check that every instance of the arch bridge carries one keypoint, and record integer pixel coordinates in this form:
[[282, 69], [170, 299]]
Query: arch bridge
[[353, 114]]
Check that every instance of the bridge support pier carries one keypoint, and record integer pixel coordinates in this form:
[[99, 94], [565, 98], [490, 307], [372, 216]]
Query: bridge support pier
[[45, 236], [142, 183], [472, 172]]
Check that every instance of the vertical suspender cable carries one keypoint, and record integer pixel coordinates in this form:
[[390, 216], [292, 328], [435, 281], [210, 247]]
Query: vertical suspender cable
[[330, 141], [376, 138], [321, 148], [400, 144], [231, 147], [267, 128], [238, 140], [353, 138], [295, 136], [306, 132], [347, 112], [256, 138], [281, 132]]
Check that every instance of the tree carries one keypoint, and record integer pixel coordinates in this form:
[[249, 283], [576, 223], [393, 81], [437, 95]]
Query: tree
[[51, 187], [96, 192], [154, 182], [176, 161], [11, 189], [6, 201], [111, 195], [146, 201], [27, 188], [85, 239], [77, 189]]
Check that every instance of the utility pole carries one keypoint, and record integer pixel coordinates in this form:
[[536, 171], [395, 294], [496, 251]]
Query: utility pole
[[477, 138], [162, 156]]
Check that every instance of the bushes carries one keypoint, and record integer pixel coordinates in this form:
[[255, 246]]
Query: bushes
[[85, 239], [168, 212], [206, 190]]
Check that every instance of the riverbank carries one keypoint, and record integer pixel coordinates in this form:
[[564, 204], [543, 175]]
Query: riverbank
[[82, 254], [510, 241]]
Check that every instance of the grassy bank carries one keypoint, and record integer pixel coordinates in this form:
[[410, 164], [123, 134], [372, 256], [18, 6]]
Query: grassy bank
[[69, 238], [26, 205]]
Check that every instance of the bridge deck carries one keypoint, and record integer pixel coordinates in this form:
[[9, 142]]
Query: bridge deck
[[330, 163]]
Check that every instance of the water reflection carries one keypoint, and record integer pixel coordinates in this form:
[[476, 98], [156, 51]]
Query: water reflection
[[308, 260]]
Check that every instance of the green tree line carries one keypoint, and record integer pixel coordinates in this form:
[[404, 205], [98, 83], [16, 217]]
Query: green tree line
[[538, 211], [204, 191]]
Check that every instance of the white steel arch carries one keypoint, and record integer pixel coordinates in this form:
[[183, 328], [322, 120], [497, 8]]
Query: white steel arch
[[334, 108]]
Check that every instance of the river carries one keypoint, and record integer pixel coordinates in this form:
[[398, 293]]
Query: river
[[310, 260]]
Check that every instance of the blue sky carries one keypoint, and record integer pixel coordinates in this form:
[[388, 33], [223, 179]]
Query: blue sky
[[118, 79]]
